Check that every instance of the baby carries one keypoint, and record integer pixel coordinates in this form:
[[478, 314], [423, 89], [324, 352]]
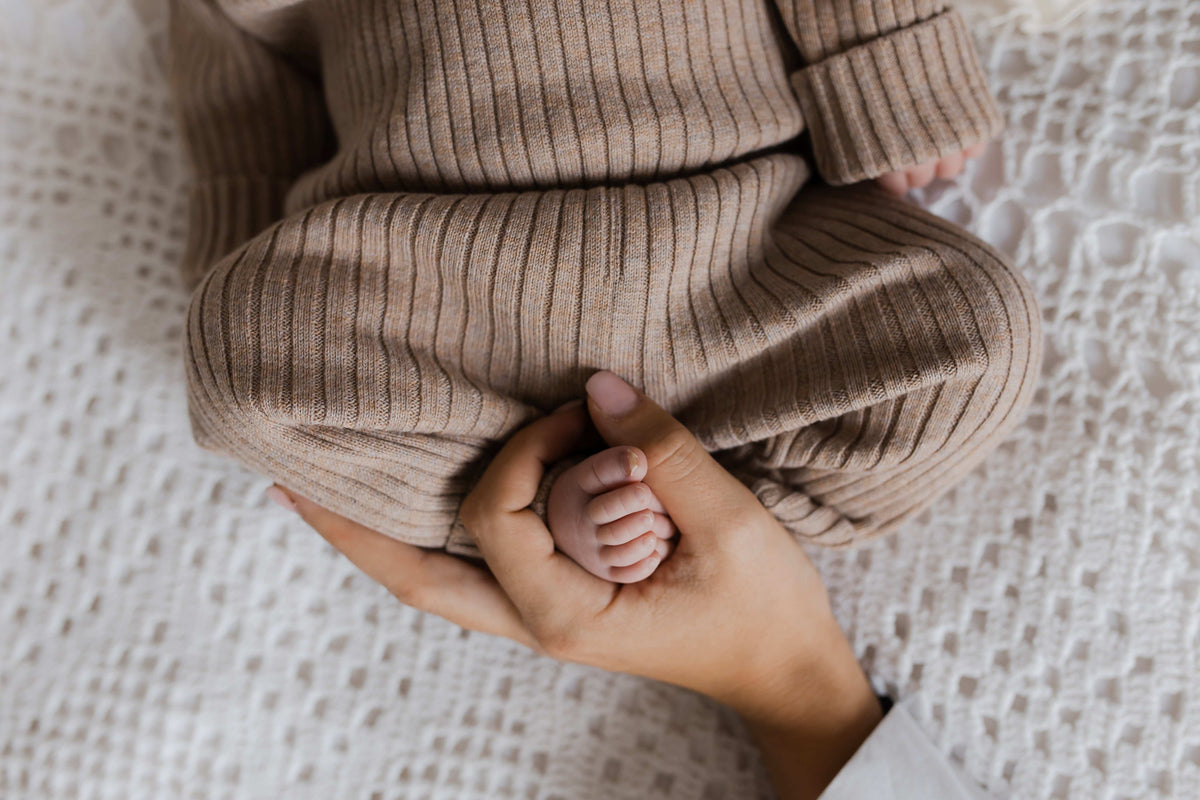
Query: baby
[[418, 224]]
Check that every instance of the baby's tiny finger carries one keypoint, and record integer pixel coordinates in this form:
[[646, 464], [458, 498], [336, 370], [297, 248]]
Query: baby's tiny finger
[[950, 166], [921, 175], [975, 150], [893, 183]]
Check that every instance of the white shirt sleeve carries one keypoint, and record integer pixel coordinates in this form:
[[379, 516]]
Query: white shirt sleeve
[[898, 762]]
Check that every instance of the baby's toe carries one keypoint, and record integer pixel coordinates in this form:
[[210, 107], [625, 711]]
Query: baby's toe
[[627, 528], [620, 502], [611, 468], [630, 553], [642, 569]]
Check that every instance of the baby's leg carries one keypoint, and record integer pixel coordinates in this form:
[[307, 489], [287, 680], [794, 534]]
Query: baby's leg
[[914, 352], [607, 520]]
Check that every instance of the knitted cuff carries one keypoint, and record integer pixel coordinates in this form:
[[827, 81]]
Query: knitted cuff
[[903, 99], [226, 212]]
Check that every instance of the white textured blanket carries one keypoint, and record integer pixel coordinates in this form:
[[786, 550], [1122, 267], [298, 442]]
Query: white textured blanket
[[163, 633]]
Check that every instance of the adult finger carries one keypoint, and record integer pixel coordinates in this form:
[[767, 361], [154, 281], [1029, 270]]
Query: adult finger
[[511, 481], [514, 541], [430, 581], [680, 470]]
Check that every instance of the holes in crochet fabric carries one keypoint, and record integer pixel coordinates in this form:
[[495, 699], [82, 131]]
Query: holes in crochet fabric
[[1178, 257], [1185, 87], [1117, 243], [1003, 227], [1171, 705], [1126, 78], [1047, 167], [1159, 194], [1155, 377], [1132, 735], [1109, 689], [1100, 365]]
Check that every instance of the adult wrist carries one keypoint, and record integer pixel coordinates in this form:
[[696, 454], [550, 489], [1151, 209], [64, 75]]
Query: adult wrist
[[810, 718], [822, 692]]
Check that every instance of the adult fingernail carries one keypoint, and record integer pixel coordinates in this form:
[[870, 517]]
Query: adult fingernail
[[281, 497], [612, 395], [568, 406]]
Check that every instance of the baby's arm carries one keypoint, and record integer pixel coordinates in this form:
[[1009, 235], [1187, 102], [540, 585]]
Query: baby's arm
[[892, 89], [251, 123]]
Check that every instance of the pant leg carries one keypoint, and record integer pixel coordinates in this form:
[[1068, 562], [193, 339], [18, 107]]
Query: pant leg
[[373, 352], [846, 355], [914, 349], [340, 354]]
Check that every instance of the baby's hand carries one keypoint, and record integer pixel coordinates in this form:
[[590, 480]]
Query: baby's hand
[[922, 175], [608, 521]]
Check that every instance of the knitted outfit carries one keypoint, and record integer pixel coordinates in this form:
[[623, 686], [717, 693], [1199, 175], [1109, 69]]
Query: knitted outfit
[[419, 224]]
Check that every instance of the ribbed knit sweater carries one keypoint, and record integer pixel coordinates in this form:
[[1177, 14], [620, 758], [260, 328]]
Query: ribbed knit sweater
[[418, 224]]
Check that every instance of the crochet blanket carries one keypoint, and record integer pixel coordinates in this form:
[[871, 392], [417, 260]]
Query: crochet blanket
[[169, 635]]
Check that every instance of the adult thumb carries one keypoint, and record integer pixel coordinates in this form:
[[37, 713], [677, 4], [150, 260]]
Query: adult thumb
[[697, 492]]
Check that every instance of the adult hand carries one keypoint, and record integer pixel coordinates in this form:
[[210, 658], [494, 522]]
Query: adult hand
[[921, 175], [738, 612]]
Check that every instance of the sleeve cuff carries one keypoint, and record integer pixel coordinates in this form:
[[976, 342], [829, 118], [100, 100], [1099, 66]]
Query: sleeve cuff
[[224, 213], [903, 99], [898, 762]]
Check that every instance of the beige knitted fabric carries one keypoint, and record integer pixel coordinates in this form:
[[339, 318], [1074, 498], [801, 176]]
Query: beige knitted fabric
[[418, 224]]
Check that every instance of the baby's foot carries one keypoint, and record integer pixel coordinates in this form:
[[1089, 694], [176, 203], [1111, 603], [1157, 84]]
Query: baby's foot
[[607, 520]]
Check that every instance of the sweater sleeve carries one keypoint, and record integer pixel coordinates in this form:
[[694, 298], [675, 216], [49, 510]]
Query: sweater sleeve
[[251, 123], [887, 84]]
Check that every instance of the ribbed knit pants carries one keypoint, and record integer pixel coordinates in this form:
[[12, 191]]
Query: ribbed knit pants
[[846, 355]]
